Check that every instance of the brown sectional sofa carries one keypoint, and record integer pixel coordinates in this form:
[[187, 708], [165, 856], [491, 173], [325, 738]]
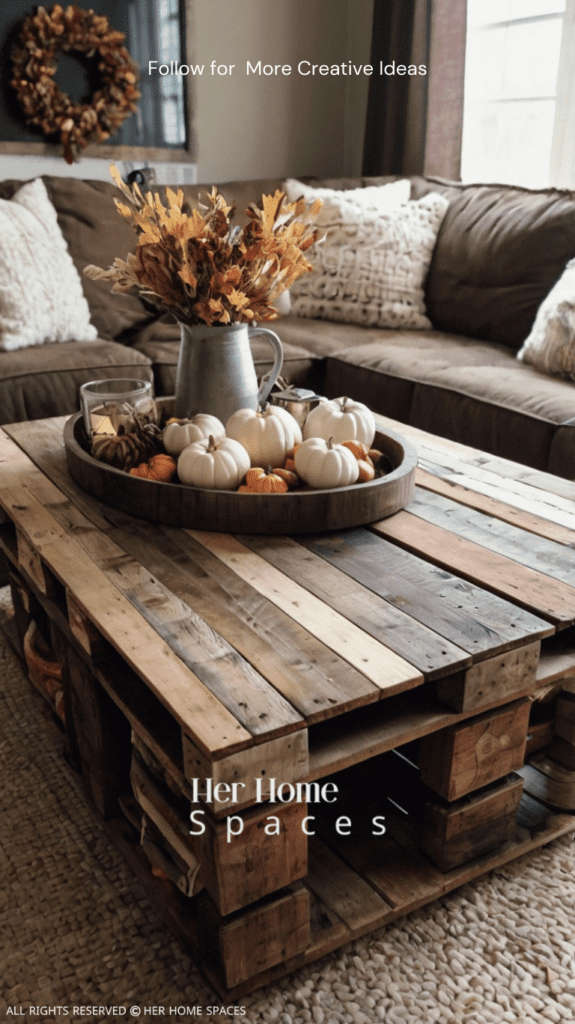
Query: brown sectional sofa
[[498, 253]]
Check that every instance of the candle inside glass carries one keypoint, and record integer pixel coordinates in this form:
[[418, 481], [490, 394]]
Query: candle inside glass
[[108, 406]]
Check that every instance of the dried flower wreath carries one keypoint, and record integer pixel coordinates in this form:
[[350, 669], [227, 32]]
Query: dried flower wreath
[[44, 103], [201, 269]]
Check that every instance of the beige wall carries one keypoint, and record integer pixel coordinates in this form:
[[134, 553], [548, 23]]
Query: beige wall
[[252, 126], [256, 126]]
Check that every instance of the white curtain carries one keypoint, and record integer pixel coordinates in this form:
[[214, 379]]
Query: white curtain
[[562, 165]]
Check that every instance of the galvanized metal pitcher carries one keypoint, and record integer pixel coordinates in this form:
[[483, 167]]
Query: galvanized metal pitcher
[[216, 371]]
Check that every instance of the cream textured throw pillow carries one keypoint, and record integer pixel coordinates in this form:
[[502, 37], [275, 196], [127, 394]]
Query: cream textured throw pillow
[[551, 344], [373, 271], [356, 203], [41, 296]]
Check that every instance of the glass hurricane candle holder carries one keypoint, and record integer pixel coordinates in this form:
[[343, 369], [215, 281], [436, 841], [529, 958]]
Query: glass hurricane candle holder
[[108, 406]]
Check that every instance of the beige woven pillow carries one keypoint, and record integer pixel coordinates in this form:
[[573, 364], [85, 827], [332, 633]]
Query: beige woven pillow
[[41, 296], [372, 271], [551, 343]]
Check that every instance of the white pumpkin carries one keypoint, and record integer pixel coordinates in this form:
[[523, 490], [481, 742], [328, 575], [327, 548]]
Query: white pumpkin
[[267, 434], [219, 464], [177, 436], [343, 419], [322, 463]]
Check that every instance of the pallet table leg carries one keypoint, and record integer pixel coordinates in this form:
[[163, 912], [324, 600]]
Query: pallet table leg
[[242, 945], [101, 736]]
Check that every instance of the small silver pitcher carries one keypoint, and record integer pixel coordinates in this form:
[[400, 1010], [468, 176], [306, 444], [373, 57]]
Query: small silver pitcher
[[216, 371]]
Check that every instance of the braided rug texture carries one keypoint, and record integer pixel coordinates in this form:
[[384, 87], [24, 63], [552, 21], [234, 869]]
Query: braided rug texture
[[76, 928]]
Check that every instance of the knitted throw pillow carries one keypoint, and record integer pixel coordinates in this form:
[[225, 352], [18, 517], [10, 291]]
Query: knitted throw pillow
[[372, 271], [41, 296], [550, 345], [350, 204]]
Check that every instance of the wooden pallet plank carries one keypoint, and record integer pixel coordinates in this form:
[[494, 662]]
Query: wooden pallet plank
[[524, 513], [236, 684], [43, 442], [317, 682], [474, 619], [515, 477], [232, 679], [377, 729], [539, 553], [187, 697], [555, 510], [431, 653], [547, 598], [384, 668], [341, 889]]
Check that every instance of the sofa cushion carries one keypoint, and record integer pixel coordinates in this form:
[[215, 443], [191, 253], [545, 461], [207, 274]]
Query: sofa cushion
[[499, 251], [96, 233], [457, 388], [44, 381]]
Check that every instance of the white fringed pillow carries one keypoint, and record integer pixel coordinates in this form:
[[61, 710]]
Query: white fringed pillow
[[373, 271], [41, 296], [551, 344]]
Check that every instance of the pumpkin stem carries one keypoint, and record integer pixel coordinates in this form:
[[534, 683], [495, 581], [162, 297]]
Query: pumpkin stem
[[211, 444], [330, 443], [344, 402]]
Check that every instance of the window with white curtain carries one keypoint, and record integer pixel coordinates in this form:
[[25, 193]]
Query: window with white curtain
[[518, 85]]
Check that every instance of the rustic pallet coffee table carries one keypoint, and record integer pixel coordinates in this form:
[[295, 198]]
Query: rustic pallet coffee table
[[408, 668]]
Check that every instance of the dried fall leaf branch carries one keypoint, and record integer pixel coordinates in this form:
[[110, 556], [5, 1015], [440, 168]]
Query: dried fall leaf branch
[[200, 268]]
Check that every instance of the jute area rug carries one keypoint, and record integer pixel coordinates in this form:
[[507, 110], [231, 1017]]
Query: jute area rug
[[79, 938]]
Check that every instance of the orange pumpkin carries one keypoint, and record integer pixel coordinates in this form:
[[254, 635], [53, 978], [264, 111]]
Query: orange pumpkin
[[159, 467], [265, 481], [357, 448], [366, 470]]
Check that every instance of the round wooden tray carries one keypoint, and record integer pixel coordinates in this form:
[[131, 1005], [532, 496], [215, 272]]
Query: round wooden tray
[[301, 511]]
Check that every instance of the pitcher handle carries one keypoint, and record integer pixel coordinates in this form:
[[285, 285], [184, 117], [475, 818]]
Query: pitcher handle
[[275, 371]]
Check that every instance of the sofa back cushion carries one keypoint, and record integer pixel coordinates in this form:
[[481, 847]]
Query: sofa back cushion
[[499, 251], [96, 233]]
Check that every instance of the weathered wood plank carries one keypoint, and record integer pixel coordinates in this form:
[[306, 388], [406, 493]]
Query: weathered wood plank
[[346, 894], [517, 477], [475, 620], [532, 590], [539, 553], [315, 680], [487, 498], [119, 622], [43, 442], [430, 653], [384, 668], [376, 729], [239, 687]]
